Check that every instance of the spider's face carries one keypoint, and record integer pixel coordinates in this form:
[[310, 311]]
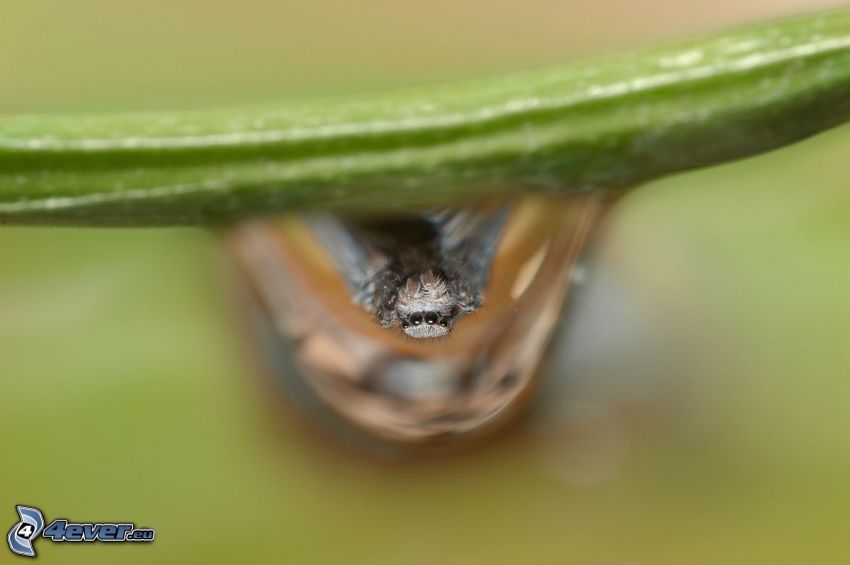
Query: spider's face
[[425, 306], [426, 325]]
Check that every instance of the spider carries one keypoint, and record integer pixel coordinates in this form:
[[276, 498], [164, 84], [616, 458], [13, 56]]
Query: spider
[[420, 272]]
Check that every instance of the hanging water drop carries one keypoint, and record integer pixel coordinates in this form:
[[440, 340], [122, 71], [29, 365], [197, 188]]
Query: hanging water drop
[[421, 328]]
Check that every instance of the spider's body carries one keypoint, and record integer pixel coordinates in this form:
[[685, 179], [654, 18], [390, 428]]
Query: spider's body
[[419, 272]]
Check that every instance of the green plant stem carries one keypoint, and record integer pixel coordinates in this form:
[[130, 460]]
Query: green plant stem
[[606, 123]]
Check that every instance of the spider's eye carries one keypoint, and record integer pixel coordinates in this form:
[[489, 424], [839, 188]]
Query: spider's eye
[[431, 318], [416, 319], [444, 322], [405, 324]]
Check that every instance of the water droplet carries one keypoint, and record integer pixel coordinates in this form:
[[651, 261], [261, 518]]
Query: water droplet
[[355, 365]]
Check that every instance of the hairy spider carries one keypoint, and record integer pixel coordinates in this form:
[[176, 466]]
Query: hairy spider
[[421, 272]]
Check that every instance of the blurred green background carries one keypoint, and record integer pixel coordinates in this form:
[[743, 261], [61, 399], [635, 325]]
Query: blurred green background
[[696, 409]]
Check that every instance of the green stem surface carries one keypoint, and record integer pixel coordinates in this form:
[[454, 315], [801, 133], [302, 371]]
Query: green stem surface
[[605, 123]]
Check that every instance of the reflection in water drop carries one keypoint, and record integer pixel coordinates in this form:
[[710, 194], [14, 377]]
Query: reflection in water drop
[[500, 275]]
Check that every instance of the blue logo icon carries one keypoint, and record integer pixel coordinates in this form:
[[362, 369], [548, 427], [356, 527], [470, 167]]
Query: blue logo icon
[[23, 534]]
